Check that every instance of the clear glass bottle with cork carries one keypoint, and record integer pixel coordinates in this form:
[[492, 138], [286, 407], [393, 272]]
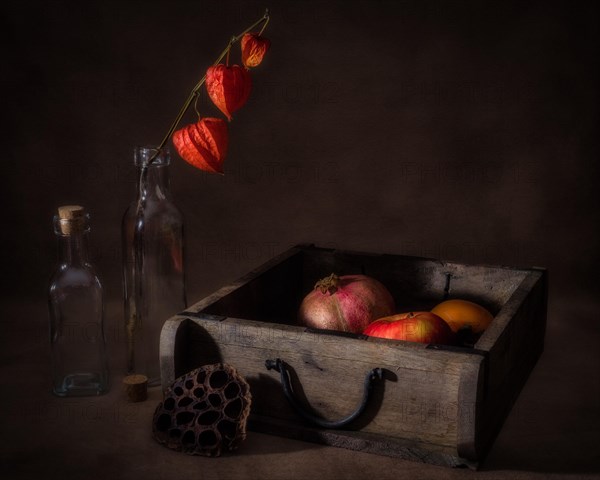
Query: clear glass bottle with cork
[[76, 305]]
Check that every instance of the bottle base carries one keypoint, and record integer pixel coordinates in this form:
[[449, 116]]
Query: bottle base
[[81, 385], [154, 382]]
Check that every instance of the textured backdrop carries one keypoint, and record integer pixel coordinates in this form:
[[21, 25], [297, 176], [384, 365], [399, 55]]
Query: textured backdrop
[[456, 130], [462, 130]]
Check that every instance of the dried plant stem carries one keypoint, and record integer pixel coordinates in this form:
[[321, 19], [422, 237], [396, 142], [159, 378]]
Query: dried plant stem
[[196, 90], [266, 18], [138, 235]]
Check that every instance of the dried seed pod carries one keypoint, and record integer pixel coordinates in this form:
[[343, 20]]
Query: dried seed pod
[[204, 411], [228, 87], [254, 48], [203, 144]]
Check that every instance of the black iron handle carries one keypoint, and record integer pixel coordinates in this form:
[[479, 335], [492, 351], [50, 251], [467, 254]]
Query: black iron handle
[[280, 366]]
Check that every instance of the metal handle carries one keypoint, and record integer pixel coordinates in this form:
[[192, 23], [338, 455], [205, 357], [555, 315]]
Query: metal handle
[[281, 367]]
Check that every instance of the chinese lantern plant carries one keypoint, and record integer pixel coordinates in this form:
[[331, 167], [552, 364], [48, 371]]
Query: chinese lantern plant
[[204, 144]]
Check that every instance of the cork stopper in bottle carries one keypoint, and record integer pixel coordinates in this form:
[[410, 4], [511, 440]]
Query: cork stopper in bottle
[[71, 218]]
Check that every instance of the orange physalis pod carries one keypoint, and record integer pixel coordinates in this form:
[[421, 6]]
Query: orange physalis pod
[[228, 87], [254, 48], [203, 144]]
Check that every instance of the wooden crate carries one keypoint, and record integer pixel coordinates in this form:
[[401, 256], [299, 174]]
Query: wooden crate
[[435, 404]]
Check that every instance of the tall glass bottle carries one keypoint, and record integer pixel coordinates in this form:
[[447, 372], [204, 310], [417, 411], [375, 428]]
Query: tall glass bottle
[[153, 270], [76, 305]]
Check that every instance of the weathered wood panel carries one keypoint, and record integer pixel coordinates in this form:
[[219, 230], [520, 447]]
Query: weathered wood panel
[[417, 282], [471, 392], [269, 293], [439, 405], [413, 449], [419, 397], [514, 341], [274, 291]]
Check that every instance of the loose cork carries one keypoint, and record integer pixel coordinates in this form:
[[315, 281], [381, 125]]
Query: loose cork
[[71, 219], [136, 387]]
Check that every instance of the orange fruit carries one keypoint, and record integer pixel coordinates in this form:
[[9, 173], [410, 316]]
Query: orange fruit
[[463, 313]]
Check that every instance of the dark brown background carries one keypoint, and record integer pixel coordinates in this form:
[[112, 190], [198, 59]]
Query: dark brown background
[[462, 130], [458, 130]]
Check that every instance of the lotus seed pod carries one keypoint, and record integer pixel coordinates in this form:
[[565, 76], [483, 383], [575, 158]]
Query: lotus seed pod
[[204, 412]]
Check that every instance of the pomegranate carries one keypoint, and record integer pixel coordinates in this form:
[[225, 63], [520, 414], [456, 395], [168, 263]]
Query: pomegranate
[[347, 303]]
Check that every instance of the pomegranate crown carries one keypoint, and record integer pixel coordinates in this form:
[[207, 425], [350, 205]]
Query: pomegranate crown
[[328, 284]]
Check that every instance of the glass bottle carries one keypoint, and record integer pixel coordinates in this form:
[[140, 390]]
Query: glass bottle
[[76, 305], [153, 269]]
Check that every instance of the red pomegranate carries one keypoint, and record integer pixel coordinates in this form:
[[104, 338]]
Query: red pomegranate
[[347, 303]]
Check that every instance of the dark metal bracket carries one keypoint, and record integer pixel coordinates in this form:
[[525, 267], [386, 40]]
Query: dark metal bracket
[[281, 367]]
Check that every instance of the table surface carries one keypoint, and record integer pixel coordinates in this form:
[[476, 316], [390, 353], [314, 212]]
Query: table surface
[[553, 430]]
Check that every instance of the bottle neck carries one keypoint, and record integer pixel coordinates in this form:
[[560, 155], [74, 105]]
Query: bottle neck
[[153, 182], [73, 249]]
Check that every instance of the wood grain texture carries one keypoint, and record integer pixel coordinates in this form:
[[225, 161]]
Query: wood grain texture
[[440, 405], [471, 392], [515, 341], [418, 398], [413, 449]]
